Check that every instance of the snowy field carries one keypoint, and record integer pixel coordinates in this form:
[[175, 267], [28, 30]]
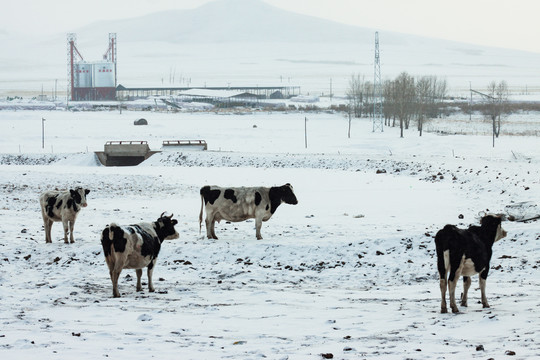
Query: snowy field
[[347, 273]]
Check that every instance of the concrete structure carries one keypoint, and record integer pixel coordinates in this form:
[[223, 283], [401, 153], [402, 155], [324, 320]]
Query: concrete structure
[[124, 153], [184, 145]]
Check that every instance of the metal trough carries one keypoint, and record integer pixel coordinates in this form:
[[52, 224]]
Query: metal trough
[[124, 153], [197, 145]]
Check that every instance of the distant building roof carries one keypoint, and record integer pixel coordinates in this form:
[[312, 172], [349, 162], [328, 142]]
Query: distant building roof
[[215, 93]]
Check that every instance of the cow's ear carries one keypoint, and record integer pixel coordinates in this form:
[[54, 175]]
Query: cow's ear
[[174, 222], [86, 191], [72, 192]]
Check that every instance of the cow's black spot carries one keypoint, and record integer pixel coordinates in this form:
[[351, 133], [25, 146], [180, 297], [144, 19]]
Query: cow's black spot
[[49, 208], [258, 198], [118, 240], [76, 196], [71, 203], [59, 204], [151, 244], [275, 199], [106, 242], [229, 195], [209, 196]]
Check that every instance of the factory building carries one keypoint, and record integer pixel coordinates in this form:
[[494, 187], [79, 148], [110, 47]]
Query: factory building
[[91, 80]]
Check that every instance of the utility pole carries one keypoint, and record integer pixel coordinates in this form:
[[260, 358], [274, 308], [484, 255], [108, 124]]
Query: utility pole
[[331, 91], [377, 89], [305, 130], [43, 133]]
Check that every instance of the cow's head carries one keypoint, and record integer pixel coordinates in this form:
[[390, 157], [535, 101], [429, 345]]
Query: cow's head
[[287, 194], [79, 196], [492, 224], [165, 227]]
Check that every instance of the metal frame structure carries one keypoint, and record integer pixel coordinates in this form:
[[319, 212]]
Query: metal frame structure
[[72, 55], [377, 89]]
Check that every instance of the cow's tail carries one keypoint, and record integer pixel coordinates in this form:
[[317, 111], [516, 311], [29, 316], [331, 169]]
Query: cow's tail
[[111, 232], [200, 214], [107, 240]]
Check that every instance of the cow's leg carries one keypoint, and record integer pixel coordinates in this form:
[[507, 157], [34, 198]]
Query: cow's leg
[[65, 223], [210, 223], [258, 225], [71, 226], [443, 284], [452, 283], [46, 226], [456, 266], [442, 268], [466, 285], [452, 293], [110, 264], [139, 275], [118, 266], [150, 271], [115, 274], [483, 291]]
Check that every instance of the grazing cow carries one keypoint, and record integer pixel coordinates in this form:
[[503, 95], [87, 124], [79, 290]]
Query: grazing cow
[[135, 247], [62, 206], [466, 252], [242, 203]]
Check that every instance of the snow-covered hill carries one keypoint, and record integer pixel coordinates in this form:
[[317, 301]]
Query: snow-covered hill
[[250, 43]]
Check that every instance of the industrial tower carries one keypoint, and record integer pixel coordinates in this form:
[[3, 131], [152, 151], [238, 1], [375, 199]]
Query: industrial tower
[[91, 80], [377, 89]]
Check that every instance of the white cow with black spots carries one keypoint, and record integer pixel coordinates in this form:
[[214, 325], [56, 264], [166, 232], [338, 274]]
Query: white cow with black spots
[[62, 206], [242, 203]]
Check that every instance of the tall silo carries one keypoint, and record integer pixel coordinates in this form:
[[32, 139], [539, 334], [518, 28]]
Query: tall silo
[[104, 80], [91, 80], [83, 74]]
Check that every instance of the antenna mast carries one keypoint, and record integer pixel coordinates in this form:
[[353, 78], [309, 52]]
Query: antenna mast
[[377, 89]]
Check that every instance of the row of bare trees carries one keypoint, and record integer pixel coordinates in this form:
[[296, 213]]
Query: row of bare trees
[[408, 98], [405, 98]]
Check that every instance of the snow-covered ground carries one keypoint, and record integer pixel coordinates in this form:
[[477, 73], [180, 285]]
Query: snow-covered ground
[[349, 271]]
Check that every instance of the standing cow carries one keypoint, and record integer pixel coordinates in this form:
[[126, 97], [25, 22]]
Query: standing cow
[[466, 252], [135, 247], [62, 206], [242, 203]]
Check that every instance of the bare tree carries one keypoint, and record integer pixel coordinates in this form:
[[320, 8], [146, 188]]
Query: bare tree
[[430, 94], [404, 101], [368, 98], [497, 98], [355, 94], [389, 102]]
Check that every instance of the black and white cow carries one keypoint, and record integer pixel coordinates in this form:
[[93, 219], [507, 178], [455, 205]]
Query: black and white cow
[[242, 203], [466, 252], [135, 247], [62, 206]]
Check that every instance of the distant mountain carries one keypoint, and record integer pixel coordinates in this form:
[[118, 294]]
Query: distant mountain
[[230, 21], [248, 42]]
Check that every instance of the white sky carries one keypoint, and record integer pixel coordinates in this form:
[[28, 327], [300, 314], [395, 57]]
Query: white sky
[[501, 23]]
